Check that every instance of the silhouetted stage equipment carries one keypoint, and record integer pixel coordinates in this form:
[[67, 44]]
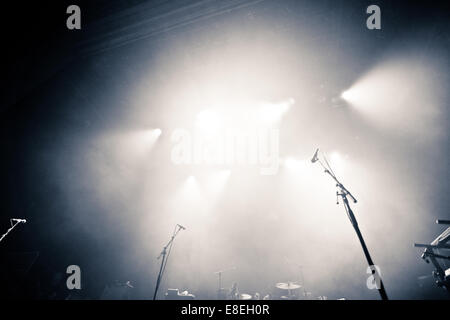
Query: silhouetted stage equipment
[[345, 194], [165, 253], [245, 296], [291, 290], [287, 286], [174, 294], [117, 291], [222, 293], [432, 253], [14, 222]]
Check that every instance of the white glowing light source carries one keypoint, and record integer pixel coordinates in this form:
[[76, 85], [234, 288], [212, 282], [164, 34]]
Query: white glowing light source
[[158, 132], [216, 182], [223, 174], [335, 157], [208, 121], [337, 162], [346, 95], [273, 112], [135, 144], [147, 138], [190, 192], [355, 95], [189, 200], [399, 94], [295, 164], [191, 181]]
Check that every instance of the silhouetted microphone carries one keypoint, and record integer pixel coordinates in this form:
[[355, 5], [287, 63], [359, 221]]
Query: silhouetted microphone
[[19, 220], [181, 227], [315, 158]]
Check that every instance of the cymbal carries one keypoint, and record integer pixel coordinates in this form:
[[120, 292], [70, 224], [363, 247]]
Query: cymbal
[[287, 286], [245, 296]]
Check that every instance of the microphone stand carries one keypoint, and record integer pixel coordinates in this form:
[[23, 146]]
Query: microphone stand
[[165, 258], [302, 279], [219, 273], [344, 193], [10, 229]]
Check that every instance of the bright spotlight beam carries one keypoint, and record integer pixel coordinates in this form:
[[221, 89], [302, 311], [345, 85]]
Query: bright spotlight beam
[[273, 112], [346, 95], [216, 182], [208, 121], [398, 95]]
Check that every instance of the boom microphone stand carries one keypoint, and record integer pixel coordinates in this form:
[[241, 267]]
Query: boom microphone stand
[[165, 256], [14, 223], [344, 193]]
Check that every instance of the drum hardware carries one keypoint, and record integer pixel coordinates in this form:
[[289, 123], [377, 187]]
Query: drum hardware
[[245, 296], [221, 292], [307, 295], [174, 294], [432, 254], [234, 293], [289, 286], [301, 277]]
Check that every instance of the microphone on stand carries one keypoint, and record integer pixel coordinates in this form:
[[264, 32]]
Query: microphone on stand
[[181, 227], [19, 220], [315, 158]]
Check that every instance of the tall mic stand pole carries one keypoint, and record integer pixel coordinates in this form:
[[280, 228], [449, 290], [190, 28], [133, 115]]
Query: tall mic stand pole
[[344, 193], [164, 256]]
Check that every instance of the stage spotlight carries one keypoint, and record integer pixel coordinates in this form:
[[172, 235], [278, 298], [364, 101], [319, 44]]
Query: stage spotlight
[[158, 132], [223, 174], [148, 137], [190, 192], [191, 181], [295, 164], [335, 158], [337, 161], [273, 112], [346, 95], [215, 183], [208, 121], [189, 201], [399, 94], [152, 134]]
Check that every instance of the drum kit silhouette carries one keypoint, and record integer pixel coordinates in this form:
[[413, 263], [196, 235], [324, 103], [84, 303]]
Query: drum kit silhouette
[[290, 290], [280, 291]]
